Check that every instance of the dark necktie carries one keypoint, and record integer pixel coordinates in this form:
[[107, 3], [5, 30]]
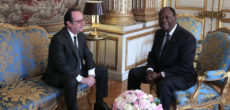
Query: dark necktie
[[165, 41], [75, 45], [167, 38], [75, 41]]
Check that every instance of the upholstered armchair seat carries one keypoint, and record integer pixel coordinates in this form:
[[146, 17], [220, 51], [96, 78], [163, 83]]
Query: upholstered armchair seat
[[32, 94], [27, 94], [206, 94]]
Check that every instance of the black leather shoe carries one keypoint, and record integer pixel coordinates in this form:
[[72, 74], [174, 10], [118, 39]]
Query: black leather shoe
[[102, 106]]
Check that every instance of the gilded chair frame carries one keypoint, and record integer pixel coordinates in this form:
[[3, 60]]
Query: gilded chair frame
[[201, 79], [220, 101]]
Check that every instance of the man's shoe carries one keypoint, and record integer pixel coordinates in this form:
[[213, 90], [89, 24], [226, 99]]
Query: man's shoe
[[102, 106]]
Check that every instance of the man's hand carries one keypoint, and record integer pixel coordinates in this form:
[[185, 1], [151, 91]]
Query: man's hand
[[156, 76], [88, 81], [149, 76], [152, 77]]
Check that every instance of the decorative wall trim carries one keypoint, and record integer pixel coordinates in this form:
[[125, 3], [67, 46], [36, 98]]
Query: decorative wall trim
[[221, 5], [221, 21], [128, 32], [127, 67], [191, 8]]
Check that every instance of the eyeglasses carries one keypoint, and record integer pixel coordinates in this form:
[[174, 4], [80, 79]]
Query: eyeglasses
[[80, 21]]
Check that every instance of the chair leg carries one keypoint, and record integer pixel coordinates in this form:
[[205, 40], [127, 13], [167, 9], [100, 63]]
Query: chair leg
[[89, 98], [221, 106], [153, 90]]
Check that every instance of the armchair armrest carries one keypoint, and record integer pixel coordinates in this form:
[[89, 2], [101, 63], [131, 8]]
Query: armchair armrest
[[196, 92], [214, 75], [199, 42]]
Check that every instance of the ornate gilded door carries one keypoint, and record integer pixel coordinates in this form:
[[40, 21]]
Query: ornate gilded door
[[216, 13]]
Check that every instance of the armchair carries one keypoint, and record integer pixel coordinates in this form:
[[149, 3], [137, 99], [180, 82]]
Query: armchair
[[213, 74]]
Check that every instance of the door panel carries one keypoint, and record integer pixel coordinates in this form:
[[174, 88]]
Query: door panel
[[225, 8]]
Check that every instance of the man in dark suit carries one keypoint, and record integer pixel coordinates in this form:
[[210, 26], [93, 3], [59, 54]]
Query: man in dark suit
[[170, 62], [66, 68]]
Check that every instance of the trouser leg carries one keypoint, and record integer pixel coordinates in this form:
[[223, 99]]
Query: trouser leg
[[165, 88], [70, 92], [136, 77], [101, 73]]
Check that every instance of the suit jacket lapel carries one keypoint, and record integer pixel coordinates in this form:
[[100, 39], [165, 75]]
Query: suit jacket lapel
[[158, 47], [70, 42]]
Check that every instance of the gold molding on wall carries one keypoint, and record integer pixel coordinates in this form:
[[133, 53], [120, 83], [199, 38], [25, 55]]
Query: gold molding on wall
[[222, 20], [126, 50], [128, 32], [191, 8], [221, 5]]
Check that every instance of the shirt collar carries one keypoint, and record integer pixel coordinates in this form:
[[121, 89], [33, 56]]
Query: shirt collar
[[71, 34], [172, 31]]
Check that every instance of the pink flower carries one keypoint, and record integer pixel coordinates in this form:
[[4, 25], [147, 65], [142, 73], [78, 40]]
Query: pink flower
[[159, 107], [140, 95], [151, 98], [136, 104], [136, 100], [144, 104], [115, 106]]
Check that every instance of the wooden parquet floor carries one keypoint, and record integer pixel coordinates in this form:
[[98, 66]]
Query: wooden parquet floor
[[115, 88]]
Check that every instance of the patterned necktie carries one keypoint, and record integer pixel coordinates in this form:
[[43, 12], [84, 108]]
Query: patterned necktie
[[165, 41]]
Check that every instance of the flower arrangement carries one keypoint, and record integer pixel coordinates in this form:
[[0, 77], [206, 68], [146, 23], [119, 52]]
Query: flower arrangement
[[136, 100]]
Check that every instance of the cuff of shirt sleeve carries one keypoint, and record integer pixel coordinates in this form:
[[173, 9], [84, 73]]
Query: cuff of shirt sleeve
[[91, 72], [163, 74], [79, 78], [151, 69]]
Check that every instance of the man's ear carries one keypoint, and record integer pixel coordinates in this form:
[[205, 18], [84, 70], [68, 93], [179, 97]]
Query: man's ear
[[68, 23]]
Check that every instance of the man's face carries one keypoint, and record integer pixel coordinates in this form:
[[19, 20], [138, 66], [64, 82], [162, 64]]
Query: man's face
[[77, 24], [167, 20]]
